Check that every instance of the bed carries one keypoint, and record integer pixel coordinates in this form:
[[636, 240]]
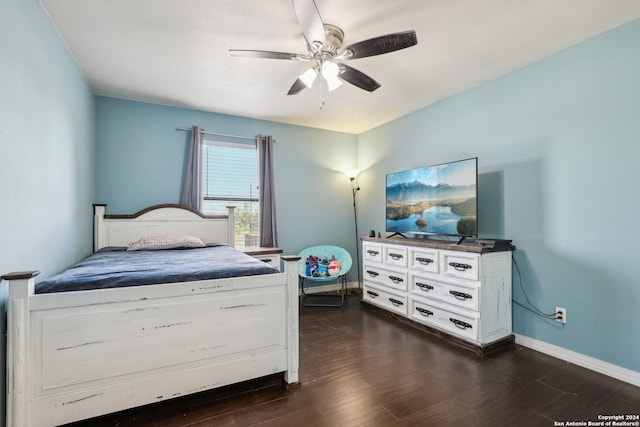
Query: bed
[[76, 354]]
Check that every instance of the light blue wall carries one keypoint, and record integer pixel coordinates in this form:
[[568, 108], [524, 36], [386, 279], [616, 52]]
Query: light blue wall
[[141, 159], [558, 143], [46, 149]]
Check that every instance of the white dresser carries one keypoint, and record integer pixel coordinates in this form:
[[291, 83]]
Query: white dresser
[[461, 291]]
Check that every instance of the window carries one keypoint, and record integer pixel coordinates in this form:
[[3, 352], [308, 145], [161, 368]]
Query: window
[[230, 178]]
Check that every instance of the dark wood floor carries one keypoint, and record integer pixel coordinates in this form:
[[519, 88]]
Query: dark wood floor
[[360, 368]]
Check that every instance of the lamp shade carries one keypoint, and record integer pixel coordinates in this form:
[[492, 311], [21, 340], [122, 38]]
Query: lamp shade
[[333, 83], [352, 173], [330, 70], [308, 77]]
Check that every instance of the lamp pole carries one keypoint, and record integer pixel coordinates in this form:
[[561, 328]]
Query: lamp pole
[[354, 189]]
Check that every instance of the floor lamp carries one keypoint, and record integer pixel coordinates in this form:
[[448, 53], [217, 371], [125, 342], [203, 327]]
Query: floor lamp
[[352, 174]]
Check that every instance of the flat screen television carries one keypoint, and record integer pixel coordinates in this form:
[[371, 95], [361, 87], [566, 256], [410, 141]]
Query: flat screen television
[[439, 199]]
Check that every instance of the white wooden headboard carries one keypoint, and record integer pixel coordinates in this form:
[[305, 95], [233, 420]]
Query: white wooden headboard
[[168, 220]]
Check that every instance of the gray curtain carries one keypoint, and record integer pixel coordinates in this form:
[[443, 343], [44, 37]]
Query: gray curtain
[[191, 190], [268, 232]]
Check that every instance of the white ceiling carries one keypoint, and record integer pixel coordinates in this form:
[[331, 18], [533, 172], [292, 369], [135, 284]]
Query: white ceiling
[[175, 52]]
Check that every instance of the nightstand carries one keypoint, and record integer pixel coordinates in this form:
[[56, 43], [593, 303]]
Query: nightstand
[[268, 255]]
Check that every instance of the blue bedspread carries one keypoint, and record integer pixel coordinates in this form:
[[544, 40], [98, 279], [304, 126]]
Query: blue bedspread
[[116, 267]]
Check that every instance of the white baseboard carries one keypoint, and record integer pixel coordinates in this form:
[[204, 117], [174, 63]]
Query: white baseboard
[[597, 365]]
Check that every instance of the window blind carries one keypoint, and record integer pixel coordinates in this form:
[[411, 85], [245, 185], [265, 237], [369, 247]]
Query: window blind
[[230, 172]]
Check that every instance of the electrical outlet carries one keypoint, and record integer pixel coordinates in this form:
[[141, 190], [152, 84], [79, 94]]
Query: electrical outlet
[[561, 315]]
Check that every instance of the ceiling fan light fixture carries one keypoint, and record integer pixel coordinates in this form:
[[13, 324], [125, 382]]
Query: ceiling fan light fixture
[[330, 70], [324, 48], [333, 83], [308, 77]]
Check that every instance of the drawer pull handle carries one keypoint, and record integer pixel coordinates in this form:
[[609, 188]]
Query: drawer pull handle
[[460, 324], [396, 302], [267, 260], [424, 311], [396, 280], [396, 257], [424, 286], [372, 273], [459, 266], [372, 253], [372, 294], [460, 295], [424, 261]]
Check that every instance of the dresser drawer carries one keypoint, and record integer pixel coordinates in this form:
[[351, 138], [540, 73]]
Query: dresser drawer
[[465, 296], [423, 259], [372, 252], [460, 265], [397, 279], [395, 255], [459, 322], [396, 303]]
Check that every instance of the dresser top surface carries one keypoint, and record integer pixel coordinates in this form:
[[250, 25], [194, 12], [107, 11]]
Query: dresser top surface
[[436, 244]]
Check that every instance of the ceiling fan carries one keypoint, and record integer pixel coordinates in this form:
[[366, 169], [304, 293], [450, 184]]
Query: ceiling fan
[[325, 51]]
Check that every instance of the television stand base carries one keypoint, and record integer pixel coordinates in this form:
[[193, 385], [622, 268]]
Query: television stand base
[[396, 234]]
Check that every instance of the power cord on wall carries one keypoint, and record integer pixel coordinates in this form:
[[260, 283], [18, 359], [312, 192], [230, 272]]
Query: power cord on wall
[[532, 308]]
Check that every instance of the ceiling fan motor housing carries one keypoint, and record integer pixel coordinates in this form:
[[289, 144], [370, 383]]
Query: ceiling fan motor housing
[[334, 37]]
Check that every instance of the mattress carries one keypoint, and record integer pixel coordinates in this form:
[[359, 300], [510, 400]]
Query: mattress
[[117, 267]]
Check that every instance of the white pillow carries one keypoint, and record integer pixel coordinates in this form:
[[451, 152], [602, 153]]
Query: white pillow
[[161, 242]]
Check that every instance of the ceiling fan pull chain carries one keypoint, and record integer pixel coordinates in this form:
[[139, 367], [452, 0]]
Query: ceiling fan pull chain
[[322, 104]]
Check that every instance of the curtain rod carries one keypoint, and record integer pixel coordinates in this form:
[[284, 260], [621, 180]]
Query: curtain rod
[[253, 138]]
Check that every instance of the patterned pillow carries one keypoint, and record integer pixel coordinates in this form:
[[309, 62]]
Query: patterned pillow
[[161, 242]]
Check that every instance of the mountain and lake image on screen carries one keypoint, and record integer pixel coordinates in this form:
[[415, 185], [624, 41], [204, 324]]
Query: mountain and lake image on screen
[[439, 199]]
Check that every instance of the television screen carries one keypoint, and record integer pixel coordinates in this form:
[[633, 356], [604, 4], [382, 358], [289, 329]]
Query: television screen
[[439, 199]]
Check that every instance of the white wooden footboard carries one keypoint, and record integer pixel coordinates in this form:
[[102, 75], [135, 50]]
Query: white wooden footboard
[[77, 355]]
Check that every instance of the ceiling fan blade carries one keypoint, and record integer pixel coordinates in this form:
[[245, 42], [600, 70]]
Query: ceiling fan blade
[[267, 54], [357, 78], [310, 21], [297, 87], [380, 45]]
